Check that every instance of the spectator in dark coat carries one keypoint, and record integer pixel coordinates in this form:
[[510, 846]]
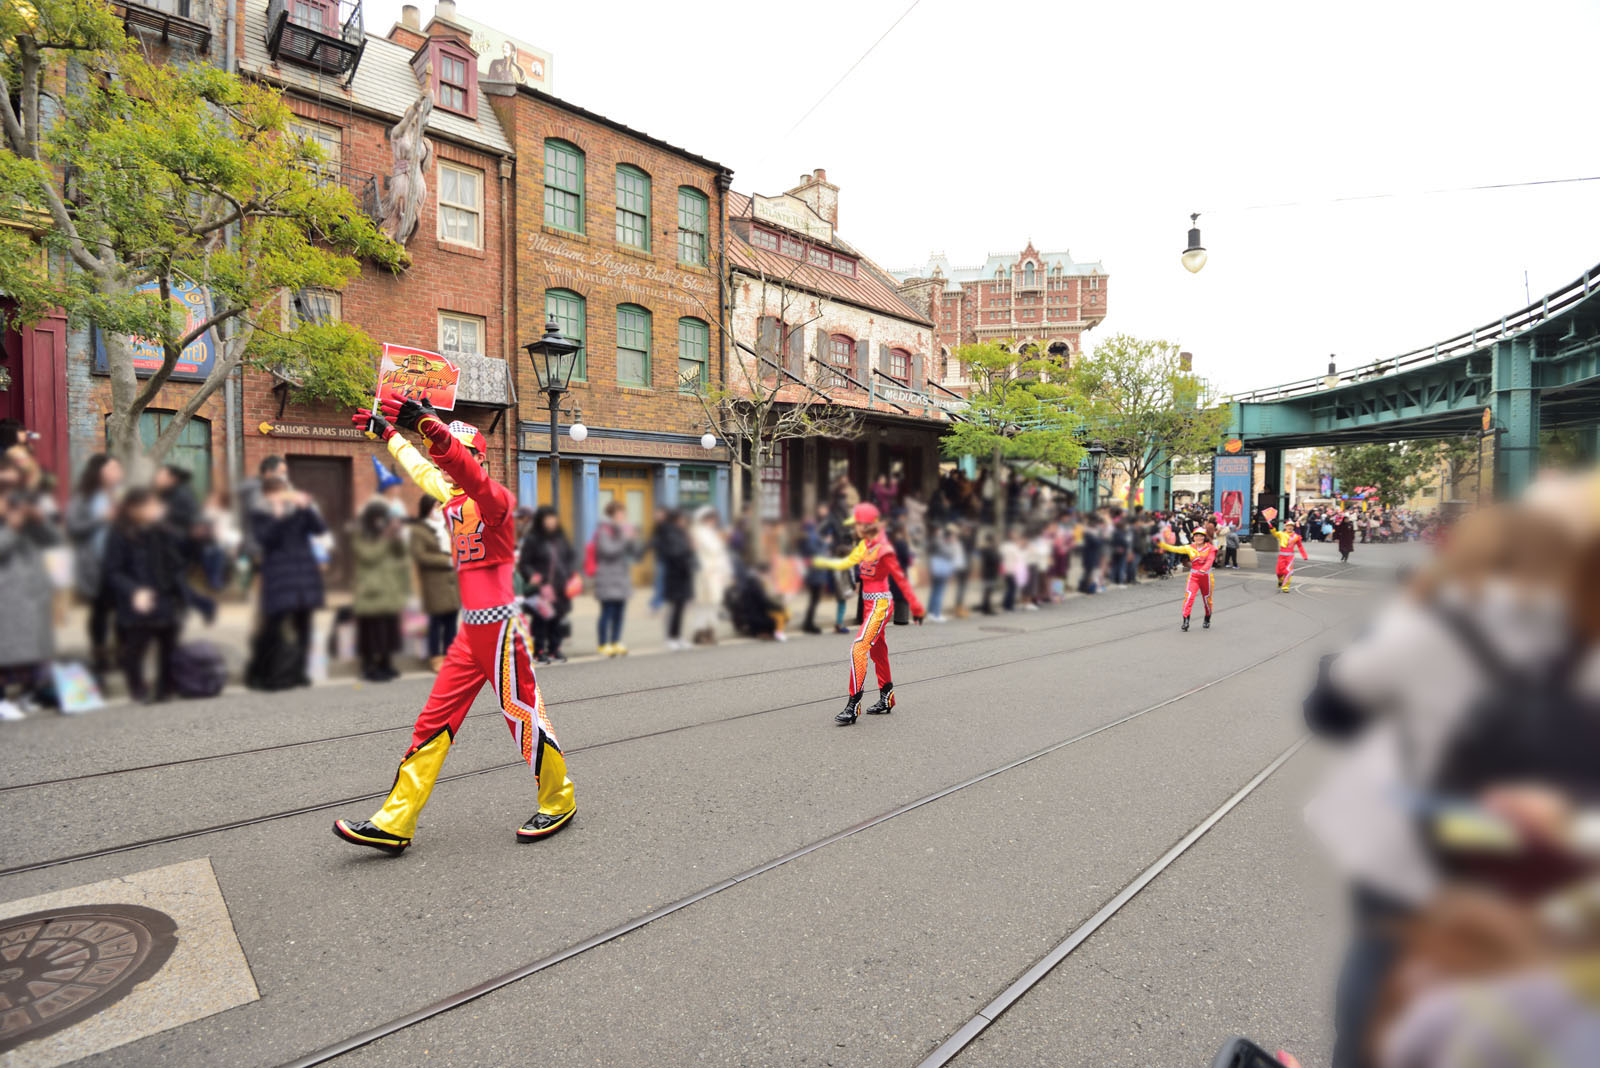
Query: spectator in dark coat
[[675, 556], [814, 542], [547, 565], [88, 524], [1344, 532], [144, 568], [291, 585]]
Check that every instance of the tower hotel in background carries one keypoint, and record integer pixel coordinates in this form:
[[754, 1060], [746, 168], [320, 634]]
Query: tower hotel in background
[[1043, 297]]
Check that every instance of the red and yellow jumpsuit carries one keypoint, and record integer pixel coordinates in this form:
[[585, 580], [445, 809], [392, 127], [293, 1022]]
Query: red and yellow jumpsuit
[[1200, 561], [493, 645], [1288, 542], [879, 566]]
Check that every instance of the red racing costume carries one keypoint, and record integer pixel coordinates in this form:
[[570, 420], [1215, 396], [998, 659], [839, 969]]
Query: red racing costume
[[879, 565], [1288, 542], [493, 646], [1201, 557]]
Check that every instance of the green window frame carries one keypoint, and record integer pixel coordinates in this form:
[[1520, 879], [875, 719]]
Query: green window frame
[[563, 186], [633, 345], [694, 355], [633, 208], [694, 226], [570, 313]]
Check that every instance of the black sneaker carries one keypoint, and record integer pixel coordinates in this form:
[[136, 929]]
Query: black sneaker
[[1207, 624], [847, 715], [366, 833], [885, 703], [543, 825], [1185, 623]]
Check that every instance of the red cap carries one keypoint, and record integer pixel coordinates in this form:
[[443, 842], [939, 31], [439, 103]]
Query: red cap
[[865, 513]]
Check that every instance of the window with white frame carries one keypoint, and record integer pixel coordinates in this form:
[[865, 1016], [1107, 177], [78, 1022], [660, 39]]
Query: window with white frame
[[464, 335], [460, 205], [328, 141]]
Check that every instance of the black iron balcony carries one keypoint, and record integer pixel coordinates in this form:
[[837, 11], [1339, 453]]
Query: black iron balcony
[[325, 35], [170, 21]]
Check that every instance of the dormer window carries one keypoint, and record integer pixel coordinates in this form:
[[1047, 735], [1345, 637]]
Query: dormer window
[[455, 74]]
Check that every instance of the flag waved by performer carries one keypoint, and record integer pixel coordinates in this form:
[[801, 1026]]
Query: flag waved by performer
[[879, 565], [1289, 540], [493, 644], [1202, 554]]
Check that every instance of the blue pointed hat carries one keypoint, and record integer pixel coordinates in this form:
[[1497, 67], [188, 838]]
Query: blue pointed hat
[[387, 479]]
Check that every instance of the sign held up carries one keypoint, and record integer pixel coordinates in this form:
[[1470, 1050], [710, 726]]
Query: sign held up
[[418, 372]]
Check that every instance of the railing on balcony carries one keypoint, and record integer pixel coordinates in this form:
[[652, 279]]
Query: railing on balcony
[[172, 21], [363, 185], [327, 35]]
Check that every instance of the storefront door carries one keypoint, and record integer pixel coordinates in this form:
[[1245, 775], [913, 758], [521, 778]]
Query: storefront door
[[635, 488], [326, 480]]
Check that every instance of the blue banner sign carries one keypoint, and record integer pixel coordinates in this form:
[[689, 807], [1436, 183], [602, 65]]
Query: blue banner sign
[[194, 362], [1232, 479]]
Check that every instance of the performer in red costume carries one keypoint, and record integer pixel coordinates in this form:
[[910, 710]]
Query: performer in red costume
[[493, 645], [879, 566], [1202, 554], [1288, 541]]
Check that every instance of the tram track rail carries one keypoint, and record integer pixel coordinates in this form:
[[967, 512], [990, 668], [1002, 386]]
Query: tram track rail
[[322, 806], [564, 703], [1013, 992]]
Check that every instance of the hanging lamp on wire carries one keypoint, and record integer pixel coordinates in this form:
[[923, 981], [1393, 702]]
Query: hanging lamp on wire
[[1194, 257]]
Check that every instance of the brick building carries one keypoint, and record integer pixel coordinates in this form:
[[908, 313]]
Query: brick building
[[803, 296], [618, 239], [1043, 297], [348, 91]]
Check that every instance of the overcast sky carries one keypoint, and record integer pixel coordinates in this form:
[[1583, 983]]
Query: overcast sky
[[979, 124]]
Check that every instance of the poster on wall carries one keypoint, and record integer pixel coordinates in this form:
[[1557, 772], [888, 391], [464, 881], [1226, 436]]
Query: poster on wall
[[502, 58], [194, 362], [410, 371], [1231, 480]]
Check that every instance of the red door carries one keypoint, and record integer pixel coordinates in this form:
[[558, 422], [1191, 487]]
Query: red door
[[36, 359]]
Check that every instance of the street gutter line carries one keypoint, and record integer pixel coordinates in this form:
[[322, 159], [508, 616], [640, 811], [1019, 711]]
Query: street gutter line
[[455, 1001], [969, 1031]]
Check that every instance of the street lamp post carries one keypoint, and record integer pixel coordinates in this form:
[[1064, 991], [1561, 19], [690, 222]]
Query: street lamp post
[[553, 357]]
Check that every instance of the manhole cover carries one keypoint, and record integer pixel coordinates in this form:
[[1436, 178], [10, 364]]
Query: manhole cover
[[61, 966]]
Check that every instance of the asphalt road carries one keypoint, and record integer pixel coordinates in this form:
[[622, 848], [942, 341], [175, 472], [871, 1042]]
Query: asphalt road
[[695, 773]]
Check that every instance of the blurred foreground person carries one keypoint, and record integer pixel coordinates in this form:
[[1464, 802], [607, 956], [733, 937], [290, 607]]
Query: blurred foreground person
[[282, 526], [434, 556], [382, 588], [675, 565], [90, 511], [875, 557], [493, 646], [144, 569], [713, 574], [612, 552], [27, 636], [1471, 713], [550, 571]]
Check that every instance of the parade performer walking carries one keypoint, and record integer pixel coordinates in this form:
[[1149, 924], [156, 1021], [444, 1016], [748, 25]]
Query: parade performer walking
[[879, 565], [493, 645], [1288, 541], [1202, 554]]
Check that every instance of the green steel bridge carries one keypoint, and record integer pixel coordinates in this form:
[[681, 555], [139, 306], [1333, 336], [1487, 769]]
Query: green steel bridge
[[1534, 369]]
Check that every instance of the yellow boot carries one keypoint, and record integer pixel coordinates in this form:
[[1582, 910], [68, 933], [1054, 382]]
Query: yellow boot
[[391, 827], [557, 803]]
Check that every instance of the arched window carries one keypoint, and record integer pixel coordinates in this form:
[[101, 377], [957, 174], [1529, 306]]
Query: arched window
[[633, 345], [900, 364], [1027, 275], [694, 354], [633, 208], [567, 309], [563, 186], [694, 229], [841, 353]]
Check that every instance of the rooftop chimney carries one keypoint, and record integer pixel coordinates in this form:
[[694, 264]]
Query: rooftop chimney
[[822, 195], [1186, 361], [445, 9], [410, 17]]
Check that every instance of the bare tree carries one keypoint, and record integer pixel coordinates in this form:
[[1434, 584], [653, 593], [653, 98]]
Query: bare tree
[[772, 392]]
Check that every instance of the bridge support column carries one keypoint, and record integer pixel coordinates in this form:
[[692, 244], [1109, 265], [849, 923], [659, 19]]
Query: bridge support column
[[1515, 406], [1272, 494], [1158, 486]]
